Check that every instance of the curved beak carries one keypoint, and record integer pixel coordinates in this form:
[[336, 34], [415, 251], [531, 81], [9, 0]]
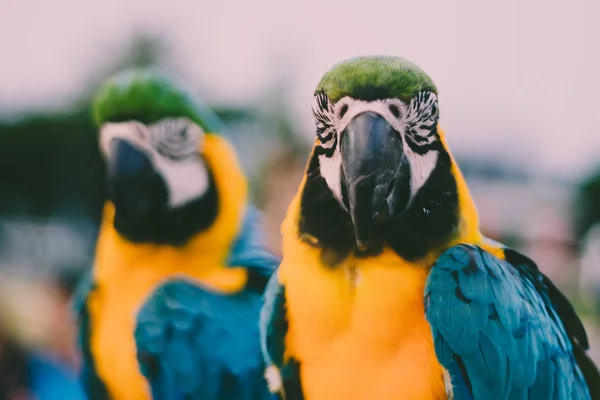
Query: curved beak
[[126, 161], [135, 186], [375, 174]]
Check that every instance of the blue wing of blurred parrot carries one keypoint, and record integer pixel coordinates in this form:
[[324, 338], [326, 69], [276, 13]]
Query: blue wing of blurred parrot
[[92, 384], [195, 343]]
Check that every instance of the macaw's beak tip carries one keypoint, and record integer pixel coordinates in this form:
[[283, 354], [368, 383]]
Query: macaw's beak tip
[[362, 246]]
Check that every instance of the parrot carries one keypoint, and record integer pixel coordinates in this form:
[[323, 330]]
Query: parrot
[[170, 307], [387, 289]]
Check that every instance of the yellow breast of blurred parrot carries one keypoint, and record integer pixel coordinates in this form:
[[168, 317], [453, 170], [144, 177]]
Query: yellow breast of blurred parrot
[[125, 274], [363, 329]]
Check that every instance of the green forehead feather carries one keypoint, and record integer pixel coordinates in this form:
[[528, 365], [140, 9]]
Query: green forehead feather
[[147, 95], [375, 78]]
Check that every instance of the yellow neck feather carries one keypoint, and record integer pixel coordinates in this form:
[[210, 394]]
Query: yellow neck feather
[[468, 229]]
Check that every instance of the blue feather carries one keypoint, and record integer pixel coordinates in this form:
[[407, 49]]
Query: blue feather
[[495, 321], [211, 347], [92, 383], [460, 389], [273, 330], [196, 343]]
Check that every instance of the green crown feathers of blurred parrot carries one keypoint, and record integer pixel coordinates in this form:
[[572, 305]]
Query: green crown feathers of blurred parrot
[[170, 308], [148, 95], [387, 289]]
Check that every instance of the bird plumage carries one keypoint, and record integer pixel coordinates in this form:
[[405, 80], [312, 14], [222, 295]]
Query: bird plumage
[[180, 263], [369, 276], [496, 329]]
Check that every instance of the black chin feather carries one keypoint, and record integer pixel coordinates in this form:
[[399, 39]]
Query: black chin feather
[[166, 226]]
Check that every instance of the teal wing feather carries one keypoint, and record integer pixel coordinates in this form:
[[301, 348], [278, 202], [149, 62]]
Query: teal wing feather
[[497, 331], [273, 329], [91, 382], [196, 343], [249, 251]]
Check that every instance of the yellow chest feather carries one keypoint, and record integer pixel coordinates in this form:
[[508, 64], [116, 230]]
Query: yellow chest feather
[[122, 286], [359, 329]]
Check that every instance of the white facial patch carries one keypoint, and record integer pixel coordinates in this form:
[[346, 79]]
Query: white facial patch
[[172, 147], [187, 180], [414, 122], [331, 171], [421, 167]]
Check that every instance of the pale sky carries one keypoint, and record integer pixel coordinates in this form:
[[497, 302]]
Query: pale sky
[[519, 80]]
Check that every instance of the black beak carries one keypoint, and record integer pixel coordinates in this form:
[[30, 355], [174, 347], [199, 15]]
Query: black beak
[[127, 162], [135, 187], [376, 174]]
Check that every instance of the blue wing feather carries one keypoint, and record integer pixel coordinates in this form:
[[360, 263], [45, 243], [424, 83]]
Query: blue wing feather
[[249, 251], [495, 332], [460, 390], [94, 387], [273, 330], [195, 343]]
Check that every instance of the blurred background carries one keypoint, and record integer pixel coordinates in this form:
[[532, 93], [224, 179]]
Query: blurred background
[[518, 83]]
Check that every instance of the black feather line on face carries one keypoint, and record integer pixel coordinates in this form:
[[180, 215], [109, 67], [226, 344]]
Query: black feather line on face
[[420, 144], [323, 113], [421, 126], [327, 151], [326, 138]]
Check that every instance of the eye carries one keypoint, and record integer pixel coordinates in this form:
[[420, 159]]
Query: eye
[[394, 110], [176, 138], [343, 110], [183, 133]]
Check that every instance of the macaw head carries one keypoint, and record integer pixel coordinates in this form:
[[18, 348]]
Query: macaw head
[[152, 135], [379, 149]]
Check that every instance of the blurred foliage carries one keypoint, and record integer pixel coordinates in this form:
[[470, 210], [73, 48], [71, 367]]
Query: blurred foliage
[[587, 204], [49, 163]]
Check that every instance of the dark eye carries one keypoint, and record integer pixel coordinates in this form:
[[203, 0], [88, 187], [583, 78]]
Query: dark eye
[[175, 138], [395, 111], [343, 110]]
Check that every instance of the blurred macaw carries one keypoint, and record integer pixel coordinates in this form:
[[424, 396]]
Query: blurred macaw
[[171, 307], [387, 290]]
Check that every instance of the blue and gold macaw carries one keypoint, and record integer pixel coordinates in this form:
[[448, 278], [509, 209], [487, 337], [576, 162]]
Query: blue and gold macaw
[[387, 290], [171, 308]]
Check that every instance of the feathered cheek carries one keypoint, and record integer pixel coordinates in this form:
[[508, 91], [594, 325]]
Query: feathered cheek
[[179, 140]]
